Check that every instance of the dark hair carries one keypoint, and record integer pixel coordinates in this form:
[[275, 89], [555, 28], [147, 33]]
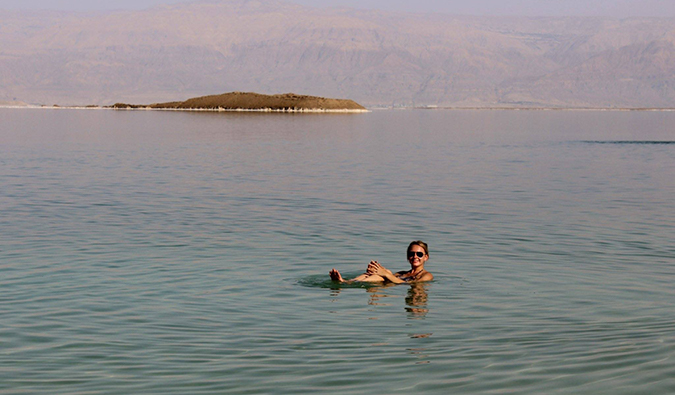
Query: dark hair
[[419, 243]]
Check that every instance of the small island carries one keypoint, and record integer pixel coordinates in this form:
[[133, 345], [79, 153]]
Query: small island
[[249, 101]]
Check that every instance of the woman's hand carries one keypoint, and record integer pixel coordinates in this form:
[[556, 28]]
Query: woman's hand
[[375, 268]]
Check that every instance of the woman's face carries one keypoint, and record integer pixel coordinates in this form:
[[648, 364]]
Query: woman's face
[[417, 256]]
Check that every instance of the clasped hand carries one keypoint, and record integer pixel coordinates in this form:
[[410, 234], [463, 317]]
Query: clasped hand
[[375, 268]]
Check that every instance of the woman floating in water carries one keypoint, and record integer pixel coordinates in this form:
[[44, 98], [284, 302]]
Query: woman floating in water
[[418, 254]]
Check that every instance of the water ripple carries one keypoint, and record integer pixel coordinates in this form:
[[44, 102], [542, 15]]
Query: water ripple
[[174, 253]]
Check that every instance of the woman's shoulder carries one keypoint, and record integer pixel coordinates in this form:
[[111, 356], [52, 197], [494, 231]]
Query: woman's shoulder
[[425, 276]]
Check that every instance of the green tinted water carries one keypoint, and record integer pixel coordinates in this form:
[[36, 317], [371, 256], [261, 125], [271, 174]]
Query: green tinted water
[[176, 253]]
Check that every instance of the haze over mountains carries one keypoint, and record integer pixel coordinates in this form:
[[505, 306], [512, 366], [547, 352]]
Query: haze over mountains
[[376, 58]]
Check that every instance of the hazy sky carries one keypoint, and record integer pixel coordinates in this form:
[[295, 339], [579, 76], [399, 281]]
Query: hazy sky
[[616, 8]]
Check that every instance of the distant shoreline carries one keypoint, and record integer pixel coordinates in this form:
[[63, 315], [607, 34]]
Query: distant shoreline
[[251, 101], [236, 110], [235, 102], [319, 110], [296, 103], [253, 110]]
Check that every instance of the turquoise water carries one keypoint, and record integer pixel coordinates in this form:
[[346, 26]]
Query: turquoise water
[[187, 253]]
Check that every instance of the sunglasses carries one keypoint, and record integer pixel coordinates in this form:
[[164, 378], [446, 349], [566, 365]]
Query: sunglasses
[[413, 253]]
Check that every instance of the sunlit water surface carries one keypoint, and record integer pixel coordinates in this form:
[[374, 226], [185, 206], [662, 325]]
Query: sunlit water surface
[[183, 253]]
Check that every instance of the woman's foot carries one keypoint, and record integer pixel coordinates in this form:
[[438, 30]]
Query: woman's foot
[[336, 276]]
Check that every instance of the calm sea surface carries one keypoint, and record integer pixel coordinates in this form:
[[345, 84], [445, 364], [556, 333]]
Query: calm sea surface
[[187, 253]]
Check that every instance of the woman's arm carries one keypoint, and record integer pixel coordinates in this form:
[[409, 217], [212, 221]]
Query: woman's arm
[[376, 268]]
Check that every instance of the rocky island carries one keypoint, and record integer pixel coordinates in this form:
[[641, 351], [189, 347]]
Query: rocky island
[[249, 101]]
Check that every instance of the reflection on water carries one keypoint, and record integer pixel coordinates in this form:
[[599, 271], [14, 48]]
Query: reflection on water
[[377, 296], [421, 354], [386, 296], [416, 300]]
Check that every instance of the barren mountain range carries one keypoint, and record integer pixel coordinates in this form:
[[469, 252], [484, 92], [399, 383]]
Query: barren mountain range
[[171, 53]]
